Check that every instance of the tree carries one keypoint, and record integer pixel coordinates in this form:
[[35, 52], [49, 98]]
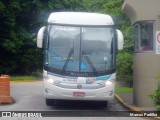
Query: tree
[[20, 21], [124, 58], [124, 68], [113, 8], [15, 35]]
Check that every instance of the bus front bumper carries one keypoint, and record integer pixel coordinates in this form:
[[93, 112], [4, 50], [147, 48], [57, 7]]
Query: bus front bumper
[[101, 94]]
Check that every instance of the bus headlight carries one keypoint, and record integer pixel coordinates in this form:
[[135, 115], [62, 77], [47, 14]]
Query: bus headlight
[[51, 81], [108, 83]]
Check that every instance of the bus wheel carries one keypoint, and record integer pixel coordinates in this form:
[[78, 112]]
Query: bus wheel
[[49, 102]]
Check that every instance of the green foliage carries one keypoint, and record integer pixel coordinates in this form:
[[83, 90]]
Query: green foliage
[[122, 90], [22, 78], [155, 96], [38, 74], [93, 5], [114, 8], [124, 68], [20, 21], [124, 59], [14, 36]]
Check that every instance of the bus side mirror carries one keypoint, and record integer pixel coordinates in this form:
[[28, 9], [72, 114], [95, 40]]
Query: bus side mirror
[[120, 39], [40, 37]]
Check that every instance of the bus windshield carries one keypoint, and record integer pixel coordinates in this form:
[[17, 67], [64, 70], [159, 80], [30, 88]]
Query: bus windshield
[[81, 49]]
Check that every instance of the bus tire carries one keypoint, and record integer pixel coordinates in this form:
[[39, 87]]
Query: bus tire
[[49, 102]]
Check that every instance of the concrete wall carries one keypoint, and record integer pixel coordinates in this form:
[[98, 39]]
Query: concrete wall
[[146, 65], [146, 68], [140, 10]]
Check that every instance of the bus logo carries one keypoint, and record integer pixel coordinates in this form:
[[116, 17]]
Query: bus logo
[[79, 86]]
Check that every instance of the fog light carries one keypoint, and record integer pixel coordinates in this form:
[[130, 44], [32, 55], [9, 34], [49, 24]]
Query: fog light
[[110, 93], [46, 90], [51, 81], [108, 83]]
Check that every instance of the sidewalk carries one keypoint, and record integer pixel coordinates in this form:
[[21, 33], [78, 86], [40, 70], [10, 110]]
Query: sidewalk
[[127, 101]]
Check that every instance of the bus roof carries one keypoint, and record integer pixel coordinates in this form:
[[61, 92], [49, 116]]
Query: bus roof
[[80, 18]]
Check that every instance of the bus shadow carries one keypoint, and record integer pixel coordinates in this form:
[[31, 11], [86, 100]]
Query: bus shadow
[[79, 105]]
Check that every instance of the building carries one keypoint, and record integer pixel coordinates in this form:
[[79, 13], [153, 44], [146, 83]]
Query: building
[[145, 19]]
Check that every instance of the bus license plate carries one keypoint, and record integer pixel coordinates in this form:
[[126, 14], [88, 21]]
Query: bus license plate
[[79, 94]]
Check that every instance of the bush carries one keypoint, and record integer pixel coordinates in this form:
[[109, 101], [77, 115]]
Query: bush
[[38, 74], [124, 68], [155, 96]]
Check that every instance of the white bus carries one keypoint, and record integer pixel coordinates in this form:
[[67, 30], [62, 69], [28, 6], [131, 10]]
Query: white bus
[[79, 56]]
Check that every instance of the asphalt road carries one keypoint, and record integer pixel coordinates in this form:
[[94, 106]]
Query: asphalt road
[[28, 96]]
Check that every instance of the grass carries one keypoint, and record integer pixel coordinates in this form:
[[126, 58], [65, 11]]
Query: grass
[[23, 78], [120, 90]]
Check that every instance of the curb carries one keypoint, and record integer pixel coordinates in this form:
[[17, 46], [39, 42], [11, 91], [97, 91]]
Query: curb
[[130, 107]]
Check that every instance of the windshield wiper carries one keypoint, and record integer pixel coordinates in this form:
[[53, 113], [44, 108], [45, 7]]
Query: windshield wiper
[[90, 63], [68, 58]]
